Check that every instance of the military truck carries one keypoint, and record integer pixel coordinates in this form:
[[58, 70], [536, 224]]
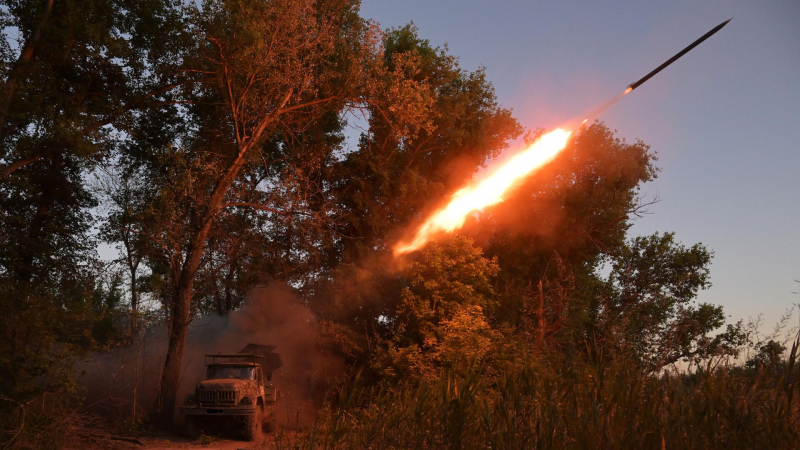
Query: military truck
[[238, 391]]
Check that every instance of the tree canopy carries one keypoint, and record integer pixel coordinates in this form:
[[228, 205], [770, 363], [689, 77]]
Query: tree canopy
[[212, 145]]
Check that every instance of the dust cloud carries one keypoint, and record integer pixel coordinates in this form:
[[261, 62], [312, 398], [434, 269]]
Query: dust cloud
[[124, 381]]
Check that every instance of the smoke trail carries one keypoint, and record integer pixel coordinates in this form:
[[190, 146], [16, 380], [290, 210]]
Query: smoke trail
[[595, 112]]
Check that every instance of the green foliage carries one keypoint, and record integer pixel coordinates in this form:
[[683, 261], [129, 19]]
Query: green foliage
[[648, 306], [73, 74], [441, 316], [216, 132], [769, 356], [389, 179]]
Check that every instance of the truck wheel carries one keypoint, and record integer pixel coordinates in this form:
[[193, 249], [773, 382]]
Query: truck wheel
[[252, 425], [268, 425], [191, 427]]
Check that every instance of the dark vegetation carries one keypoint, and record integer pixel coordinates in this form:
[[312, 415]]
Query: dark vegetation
[[208, 146]]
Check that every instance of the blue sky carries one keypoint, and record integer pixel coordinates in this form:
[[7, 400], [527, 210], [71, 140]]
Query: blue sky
[[725, 118]]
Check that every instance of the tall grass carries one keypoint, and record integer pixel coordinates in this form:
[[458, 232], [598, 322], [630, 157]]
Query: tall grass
[[562, 404]]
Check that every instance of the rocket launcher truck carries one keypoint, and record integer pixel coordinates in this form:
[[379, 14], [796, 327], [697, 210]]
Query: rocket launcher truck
[[238, 392]]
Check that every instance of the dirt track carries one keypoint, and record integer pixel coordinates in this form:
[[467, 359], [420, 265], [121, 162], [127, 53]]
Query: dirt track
[[176, 442]]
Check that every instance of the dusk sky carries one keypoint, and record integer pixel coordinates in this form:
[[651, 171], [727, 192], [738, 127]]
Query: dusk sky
[[724, 119]]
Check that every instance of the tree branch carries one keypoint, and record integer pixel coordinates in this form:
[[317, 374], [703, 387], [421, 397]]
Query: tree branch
[[25, 56], [257, 206], [17, 165]]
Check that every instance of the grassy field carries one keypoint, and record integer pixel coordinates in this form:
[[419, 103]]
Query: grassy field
[[569, 405]]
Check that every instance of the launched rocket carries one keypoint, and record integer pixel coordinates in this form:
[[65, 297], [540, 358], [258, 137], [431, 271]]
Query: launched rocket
[[583, 118], [477, 195], [694, 44]]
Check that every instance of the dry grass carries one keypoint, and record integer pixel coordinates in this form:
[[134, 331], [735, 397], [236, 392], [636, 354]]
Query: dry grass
[[51, 422], [561, 404]]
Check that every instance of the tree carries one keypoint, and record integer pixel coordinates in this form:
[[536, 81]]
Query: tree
[[123, 225], [552, 237], [553, 233], [768, 356], [389, 181], [73, 73], [264, 73], [81, 68], [649, 309], [444, 309]]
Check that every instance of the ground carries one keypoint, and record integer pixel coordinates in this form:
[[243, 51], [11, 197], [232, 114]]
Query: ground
[[178, 442]]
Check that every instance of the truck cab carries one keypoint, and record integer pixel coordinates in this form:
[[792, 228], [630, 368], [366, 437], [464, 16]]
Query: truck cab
[[236, 391]]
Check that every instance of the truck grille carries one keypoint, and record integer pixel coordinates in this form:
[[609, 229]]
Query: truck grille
[[216, 397]]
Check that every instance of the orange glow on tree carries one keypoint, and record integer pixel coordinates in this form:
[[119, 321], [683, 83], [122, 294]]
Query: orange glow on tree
[[487, 192]]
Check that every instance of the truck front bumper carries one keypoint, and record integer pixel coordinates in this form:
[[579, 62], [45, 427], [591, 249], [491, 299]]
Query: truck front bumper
[[218, 411]]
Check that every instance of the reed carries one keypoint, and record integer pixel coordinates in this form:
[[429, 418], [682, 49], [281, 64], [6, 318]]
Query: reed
[[560, 403]]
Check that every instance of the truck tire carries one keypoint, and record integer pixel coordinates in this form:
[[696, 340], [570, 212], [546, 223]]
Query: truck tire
[[253, 424], [191, 427], [269, 423]]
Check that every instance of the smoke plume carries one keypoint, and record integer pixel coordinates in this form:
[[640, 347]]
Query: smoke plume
[[125, 380]]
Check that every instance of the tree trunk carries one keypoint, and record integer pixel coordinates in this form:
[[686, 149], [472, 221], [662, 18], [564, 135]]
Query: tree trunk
[[134, 293], [179, 323], [133, 266], [228, 281], [12, 82], [45, 203], [134, 316], [29, 253], [181, 300], [219, 304], [171, 376], [179, 327]]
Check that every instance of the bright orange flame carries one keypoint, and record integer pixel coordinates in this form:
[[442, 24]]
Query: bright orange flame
[[488, 191]]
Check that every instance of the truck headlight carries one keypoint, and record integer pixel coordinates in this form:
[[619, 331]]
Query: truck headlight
[[246, 401]]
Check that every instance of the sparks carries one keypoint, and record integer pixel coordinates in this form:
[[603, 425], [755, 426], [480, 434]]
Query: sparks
[[487, 192]]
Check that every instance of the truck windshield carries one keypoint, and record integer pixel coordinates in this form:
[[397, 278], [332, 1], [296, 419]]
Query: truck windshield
[[221, 372]]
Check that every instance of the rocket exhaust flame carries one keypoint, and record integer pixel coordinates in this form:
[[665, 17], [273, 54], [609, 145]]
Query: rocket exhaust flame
[[491, 189], [488, 191]]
